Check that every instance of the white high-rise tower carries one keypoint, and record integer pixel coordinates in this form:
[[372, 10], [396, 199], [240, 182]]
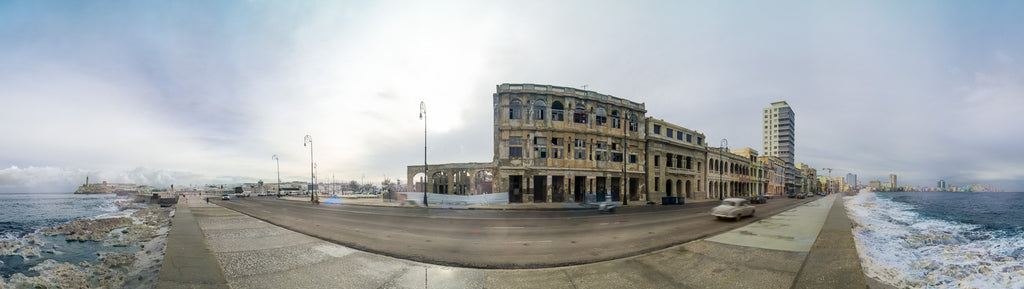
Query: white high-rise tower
[[779, 136]]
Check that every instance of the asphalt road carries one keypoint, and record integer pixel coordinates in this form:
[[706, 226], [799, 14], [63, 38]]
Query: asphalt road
[[500, 239]]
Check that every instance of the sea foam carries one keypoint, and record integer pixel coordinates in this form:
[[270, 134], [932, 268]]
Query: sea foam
[[904, 249]]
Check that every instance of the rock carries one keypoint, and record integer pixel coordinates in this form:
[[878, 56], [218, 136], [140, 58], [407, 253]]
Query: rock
[[118, 259], [29, 251]]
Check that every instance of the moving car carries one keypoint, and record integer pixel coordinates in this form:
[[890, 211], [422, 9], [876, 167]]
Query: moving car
[[733, 208], [759, 199], [225, 197]]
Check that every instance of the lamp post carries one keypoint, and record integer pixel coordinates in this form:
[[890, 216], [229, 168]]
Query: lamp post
[[721, 169], [278, 175], [829, 186], [309, 141], [625, 196], [423, 116]]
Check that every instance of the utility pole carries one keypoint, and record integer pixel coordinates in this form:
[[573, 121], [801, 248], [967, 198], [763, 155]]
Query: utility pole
[[625, 195], [721, 168], [423, 116], [312, 194], [278, 175]]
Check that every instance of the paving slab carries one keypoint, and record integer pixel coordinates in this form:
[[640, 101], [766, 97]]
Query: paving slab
[[188, 262], [793, 230]]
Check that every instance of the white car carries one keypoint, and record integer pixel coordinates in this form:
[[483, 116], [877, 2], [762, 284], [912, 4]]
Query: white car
[[733, 208]]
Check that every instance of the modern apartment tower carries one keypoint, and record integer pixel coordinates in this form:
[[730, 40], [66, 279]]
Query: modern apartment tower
[[778, 137], [851, 179], [892, 180]]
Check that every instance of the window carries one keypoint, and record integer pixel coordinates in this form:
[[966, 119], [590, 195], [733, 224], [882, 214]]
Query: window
[[633, 124], [656, 181], [515, 147], [689, 138], [540, 152], [540, 149], [615, 119], [557, 111], [617, 157], [689, 163], [580, 153], [632, 158], [668, 132], [679, 161], [515, 109], [657, 160], [557, 141], [580, 114], [556, 153], [668, 160], [657, 129], [538, 109], [679, 135], [601, 118], [700, 141], [601, 151]]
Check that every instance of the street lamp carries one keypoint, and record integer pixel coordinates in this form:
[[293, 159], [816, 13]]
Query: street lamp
[[721, 168], [625, 196], [829, 186], [309, 141], [423, 116], [278, 175]]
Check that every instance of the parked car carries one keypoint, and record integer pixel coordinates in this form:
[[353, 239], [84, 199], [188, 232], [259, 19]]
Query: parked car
[[801, 195], [733, 208], [759, 199]]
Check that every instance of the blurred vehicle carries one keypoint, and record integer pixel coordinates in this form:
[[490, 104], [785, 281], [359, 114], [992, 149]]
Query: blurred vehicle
[[733, 208], [801, 195], [607, 205], [225, 197], [759, 199]]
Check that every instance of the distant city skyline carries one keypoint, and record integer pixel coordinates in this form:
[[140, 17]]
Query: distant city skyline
[[194, 92]]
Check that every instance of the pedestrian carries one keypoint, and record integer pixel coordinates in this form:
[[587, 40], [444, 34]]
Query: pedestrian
[[207, 200]]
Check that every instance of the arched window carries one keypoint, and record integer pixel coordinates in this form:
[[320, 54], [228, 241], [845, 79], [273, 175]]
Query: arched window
[[538, 109], [600, 117], [615, 119], [580, 114], [515, 109], [557, 111], [634, 123]]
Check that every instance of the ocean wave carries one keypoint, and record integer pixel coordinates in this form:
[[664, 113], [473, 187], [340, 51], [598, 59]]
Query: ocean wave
[[905, 249]]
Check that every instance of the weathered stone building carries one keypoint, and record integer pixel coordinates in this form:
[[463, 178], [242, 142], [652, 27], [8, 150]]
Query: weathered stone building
[[552, 144], [555, 144], [675, 161]]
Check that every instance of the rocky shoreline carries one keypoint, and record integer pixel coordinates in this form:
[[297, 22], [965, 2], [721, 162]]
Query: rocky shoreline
[[130, 251]]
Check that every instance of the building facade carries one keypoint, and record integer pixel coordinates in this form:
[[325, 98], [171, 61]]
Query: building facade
[[675, 161], [554, 144], [779, 137], [775, 175]]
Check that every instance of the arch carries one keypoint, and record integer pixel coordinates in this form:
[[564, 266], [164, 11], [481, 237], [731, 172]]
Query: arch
[[668, 187], [579, 115], [600, 116], [417, 182], [679, 188], [538, 109], [515, 109], [483, 181], [557, 111], [689, 189]]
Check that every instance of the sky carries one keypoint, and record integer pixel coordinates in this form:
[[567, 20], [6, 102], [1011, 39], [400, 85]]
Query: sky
[[200, 92]]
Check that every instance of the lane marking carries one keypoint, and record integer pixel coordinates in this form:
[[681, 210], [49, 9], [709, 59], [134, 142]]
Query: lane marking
[[504, 227], [513, 242]]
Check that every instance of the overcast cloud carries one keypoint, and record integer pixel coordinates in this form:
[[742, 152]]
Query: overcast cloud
[[196, 92]]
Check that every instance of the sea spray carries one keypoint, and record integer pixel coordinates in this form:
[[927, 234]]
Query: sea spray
[[902, 247]]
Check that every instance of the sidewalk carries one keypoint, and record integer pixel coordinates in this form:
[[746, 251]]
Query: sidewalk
[[256, 254], [188, 262]]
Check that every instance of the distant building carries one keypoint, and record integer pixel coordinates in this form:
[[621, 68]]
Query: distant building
[[778, 137], [942, 185], [892, 182], [851, 179]]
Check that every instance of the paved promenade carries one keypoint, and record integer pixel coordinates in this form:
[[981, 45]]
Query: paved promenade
[[255, 254]]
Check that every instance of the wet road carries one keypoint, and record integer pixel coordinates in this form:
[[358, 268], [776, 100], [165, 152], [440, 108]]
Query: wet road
[[500, 239]]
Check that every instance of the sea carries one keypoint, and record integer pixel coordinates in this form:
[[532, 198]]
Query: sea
[[940, 239], [24, 213]]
